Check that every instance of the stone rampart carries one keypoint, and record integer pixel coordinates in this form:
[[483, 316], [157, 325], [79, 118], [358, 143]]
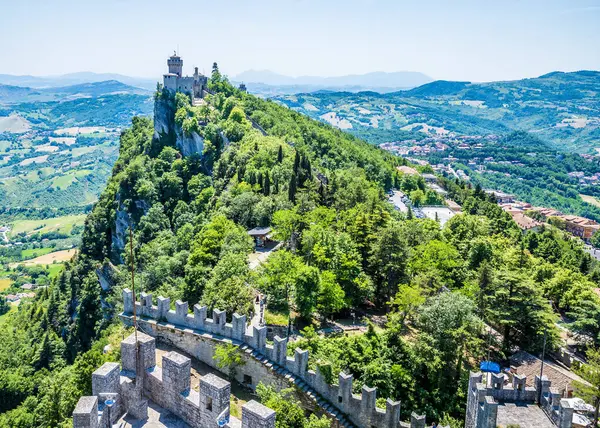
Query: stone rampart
[[198, 335], [118, 390], [483, 399]]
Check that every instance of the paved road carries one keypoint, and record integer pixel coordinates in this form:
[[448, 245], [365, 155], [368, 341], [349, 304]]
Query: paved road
[[396, 199], [594, 252]]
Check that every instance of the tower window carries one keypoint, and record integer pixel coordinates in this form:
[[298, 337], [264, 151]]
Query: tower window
[[209, 404]]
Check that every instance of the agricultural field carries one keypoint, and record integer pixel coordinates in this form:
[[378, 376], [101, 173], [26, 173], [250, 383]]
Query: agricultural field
[[56, 150], [50, 257], [590, 200], [5, 283], [63, 224]]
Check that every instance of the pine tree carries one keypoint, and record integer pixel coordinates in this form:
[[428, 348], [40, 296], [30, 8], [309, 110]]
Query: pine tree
[[241, 172], [44, 354], [267, 184], [292, 189], [308, 169], [259, 179], [280, 154], [296, 163]]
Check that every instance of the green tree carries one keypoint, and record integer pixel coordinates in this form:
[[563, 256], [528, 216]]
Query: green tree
[[388, 261], [229, 358], [227, 288], [331, 297], [406, 301]]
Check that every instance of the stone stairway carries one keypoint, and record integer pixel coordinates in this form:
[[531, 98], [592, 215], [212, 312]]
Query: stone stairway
[[331, 411]]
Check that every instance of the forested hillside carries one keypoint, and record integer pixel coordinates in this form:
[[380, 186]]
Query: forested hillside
[[561, 108], [522, 137], [345, 250]]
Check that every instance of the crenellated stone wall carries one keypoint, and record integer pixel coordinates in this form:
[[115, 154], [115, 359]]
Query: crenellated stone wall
[[199, 335], [483, 400], [118, 390]]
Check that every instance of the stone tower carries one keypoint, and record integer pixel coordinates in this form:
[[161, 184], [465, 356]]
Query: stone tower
[[175, 64]]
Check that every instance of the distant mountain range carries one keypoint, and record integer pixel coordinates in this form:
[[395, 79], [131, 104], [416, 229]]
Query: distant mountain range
[[75, 79], [18, 94], [561, 108], [268, 83], [262, 82]]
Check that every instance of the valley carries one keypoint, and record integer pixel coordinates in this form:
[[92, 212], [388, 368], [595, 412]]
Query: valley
[[57, 150], [537, 138]]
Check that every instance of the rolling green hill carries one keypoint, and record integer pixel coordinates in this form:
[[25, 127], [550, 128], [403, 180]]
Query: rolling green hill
[[58, 145], [562, 108]]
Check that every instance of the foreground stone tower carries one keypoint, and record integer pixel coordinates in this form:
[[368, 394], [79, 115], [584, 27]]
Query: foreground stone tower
[[175, 64], [128, 388], [496, 404]]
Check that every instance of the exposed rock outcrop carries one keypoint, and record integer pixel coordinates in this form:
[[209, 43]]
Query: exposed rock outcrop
[[189, 145], [106, 275], [122, 223], [164, 118]]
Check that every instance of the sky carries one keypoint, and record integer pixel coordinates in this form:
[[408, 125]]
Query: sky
[[475, 40]]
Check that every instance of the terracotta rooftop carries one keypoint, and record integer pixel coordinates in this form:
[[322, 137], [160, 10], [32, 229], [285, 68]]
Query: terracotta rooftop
[[523, 221], [407, 170]]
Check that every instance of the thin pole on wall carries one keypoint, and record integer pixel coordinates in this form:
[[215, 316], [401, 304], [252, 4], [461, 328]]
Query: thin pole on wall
[[139, 369], [133, 281], [542, 367]]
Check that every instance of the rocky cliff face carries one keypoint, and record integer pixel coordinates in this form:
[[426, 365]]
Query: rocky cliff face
[[164, 118], [122, 223], [166, 128], [189, 145]]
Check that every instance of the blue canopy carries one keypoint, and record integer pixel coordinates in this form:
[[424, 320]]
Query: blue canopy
[[489, 367]]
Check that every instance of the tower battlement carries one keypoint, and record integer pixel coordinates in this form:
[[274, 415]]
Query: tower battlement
[[487, 403], [126, 389]]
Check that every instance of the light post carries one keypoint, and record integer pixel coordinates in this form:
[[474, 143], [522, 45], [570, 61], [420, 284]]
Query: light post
[[542, 367]]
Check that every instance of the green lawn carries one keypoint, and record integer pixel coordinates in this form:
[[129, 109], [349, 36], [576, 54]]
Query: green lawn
[[63, 181], [54, 269], [275, 318]]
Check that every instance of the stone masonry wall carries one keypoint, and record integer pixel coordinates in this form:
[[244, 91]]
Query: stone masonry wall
[[125, 389], [483, 400], [198, 335]]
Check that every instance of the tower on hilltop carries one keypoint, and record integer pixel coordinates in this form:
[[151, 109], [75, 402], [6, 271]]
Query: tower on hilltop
[[176, 82], [175, 64]]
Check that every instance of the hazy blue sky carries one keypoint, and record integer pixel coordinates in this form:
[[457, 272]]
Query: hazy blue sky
[[446, 39]]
